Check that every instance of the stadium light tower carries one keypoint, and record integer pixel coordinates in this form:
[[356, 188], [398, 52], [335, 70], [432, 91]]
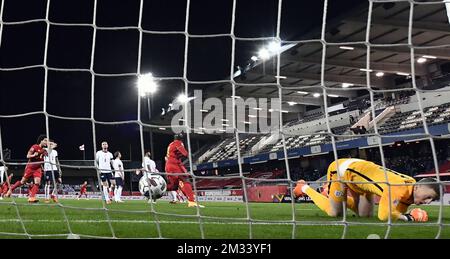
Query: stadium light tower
[[264, 54], [183, 99], [271, 49], [274, 47], [147, 86]]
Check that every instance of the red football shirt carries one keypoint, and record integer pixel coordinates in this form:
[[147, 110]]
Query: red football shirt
[[40, 158], [5, 183], [176, 151]]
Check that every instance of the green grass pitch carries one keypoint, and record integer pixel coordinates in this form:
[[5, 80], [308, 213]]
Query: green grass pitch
[[135, 219]]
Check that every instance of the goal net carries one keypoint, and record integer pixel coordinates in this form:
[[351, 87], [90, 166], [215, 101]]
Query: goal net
[[266, 99]]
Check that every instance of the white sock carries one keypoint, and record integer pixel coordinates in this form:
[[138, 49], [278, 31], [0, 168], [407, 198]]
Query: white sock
[[46, 191], [106, 193], [55, 190], [119, 193], [173, 195]]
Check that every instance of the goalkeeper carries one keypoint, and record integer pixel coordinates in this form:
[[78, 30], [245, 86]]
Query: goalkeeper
[[364, 179]]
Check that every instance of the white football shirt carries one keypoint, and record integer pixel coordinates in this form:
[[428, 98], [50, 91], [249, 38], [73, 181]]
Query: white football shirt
[[104, 161], [118, 168], [2, 172], [148, 162], [50, 160]]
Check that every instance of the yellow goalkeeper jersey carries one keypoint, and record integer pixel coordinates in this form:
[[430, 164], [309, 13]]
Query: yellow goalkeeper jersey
[[365, 177]]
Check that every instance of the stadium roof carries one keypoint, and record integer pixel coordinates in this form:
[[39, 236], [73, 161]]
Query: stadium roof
[[346, 53]]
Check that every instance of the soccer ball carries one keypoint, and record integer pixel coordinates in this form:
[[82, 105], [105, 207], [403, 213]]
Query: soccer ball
[[152, 186]]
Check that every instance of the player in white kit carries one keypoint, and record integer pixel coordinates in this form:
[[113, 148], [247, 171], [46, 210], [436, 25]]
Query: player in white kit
[[119, 176], [51, 173], [103, 160], [148, 167], [2, 172]]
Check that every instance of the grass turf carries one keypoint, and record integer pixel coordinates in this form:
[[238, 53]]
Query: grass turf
[[135, 219]]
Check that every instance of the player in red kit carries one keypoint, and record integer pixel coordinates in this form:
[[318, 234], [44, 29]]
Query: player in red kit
[[5, 186], [83, 190], [174, 165], [33, 168]]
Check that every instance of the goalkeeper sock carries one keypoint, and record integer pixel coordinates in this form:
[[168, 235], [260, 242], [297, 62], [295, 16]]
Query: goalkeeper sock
[[106, 193], [321, 201], [186, 188]]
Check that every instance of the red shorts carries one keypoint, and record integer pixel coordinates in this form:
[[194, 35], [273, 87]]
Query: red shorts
[[31, 172], [82, 191], [175, 168], [173, 181], [4, 188]]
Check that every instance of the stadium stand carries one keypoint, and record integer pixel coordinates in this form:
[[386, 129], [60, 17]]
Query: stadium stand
[[227, 149], [409, 120]]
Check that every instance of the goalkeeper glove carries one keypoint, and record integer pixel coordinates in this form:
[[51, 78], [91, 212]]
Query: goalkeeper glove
[[417, 214]]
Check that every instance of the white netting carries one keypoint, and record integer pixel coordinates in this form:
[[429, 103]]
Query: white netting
[[198, 217]]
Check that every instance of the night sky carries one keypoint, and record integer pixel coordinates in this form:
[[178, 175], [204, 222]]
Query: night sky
[[116, 98]]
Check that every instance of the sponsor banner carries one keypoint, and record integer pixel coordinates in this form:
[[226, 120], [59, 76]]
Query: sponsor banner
[[273, 156], [265, 193], [281, 198], [89, 196], [215, 193], [237, 192], [316, 149], [220, 198], [216, 198], [304, 199], [226, 163], [372, 140], [205, 166], [261, 158]]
